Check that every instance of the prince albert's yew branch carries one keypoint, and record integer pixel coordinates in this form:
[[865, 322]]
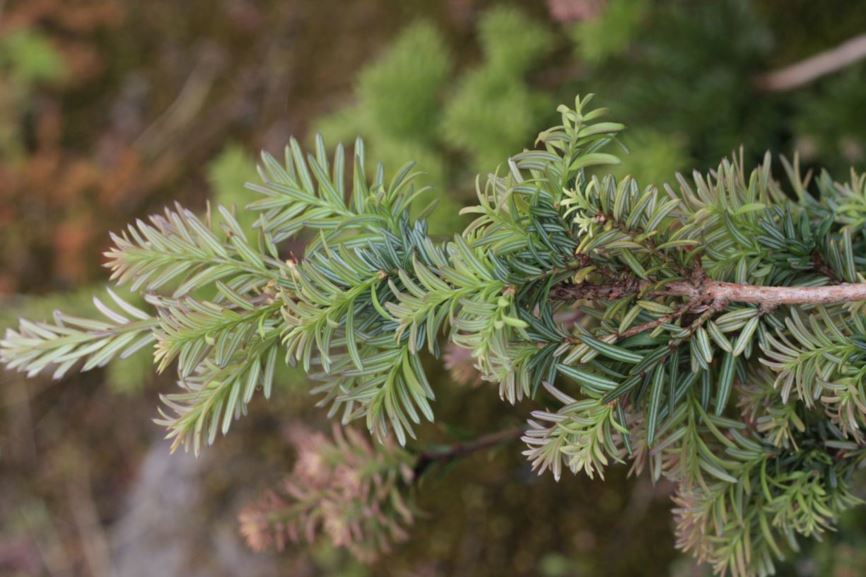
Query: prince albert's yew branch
[[374, 290]]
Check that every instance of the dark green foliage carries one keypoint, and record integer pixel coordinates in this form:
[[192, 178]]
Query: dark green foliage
[[401, 93], [610, 32], [398, 108], [406, 111], [493, 110], [27, 60], [691, 72]]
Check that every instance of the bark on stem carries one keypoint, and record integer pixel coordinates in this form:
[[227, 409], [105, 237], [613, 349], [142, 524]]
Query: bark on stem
[[709, 291], [714, 291]]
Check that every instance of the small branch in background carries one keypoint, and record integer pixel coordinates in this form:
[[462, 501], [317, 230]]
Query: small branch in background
[[85, 514], [186, 107], [810, 69], [450, 453]]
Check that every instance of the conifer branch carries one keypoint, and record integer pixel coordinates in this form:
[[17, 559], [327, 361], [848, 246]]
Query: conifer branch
[[691, 331]]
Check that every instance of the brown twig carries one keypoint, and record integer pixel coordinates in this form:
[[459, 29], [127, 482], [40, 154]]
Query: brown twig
[[455, 451], [770, 296], [650, 325], [592, 291], [815, 67], [710, 291], [821, 267]]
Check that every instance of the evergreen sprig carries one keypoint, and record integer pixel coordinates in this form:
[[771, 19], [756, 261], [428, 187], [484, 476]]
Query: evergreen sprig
[[40, 346], [341, 486], [711, 332]]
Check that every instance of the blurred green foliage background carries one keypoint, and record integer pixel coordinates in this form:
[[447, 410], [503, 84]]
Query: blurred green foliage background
[[110, 109]]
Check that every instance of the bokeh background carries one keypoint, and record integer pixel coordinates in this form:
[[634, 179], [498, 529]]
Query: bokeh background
[[111, 109]]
